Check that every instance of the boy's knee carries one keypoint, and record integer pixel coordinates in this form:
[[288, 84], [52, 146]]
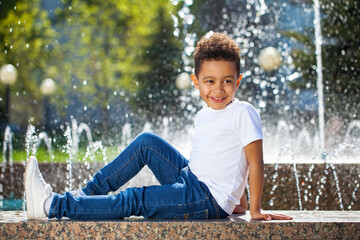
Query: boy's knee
[[146, 137]]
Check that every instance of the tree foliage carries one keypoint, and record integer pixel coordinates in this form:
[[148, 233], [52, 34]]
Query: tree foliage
[[27, 40], [94, 50], [157, 95]]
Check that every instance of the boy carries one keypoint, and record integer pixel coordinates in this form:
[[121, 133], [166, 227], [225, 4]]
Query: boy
[[227, 144]]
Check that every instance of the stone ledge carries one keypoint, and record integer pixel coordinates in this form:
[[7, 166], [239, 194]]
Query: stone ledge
[[305, 225]]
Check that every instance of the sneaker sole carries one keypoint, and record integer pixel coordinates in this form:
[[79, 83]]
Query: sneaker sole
[[28, 188]]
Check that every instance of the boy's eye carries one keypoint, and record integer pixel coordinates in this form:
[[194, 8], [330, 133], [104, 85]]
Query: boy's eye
[[228, 81], [209, 81]]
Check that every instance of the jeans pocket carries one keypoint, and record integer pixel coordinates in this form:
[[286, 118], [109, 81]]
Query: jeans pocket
[[203, 214]]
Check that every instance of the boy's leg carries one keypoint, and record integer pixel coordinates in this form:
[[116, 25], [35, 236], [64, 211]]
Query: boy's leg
[[147, 149], [186, 199]]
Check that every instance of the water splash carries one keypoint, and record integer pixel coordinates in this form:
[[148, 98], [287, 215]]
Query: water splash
[[125, 135], [328, 165], [43, 136], [341, 151], [76, 133], [319, 67], [7, 146], [189, 38], [260, 7], [89, 159], [283, 150], [304, 141], [352, 126], [30, 141], [69, 161]]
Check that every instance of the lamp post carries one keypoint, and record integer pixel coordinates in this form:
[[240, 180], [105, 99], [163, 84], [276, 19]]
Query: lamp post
[[8, 75], [47, 88]]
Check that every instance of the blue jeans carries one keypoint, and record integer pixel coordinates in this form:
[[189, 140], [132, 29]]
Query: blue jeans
[[180, 195]]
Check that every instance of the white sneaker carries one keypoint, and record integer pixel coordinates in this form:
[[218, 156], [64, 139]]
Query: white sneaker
[[36, 189]]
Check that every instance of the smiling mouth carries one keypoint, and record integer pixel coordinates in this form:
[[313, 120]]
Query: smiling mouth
[[218, 100]]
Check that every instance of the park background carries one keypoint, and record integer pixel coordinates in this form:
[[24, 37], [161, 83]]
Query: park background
[[116, 62]]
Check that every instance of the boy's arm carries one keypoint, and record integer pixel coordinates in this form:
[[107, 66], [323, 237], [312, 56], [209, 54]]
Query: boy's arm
[[254, 156]]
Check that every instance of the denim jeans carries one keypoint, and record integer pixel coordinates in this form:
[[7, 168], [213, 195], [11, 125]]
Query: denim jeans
[[180, 195]]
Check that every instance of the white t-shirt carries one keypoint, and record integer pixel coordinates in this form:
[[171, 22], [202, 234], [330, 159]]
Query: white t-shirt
[[217, 157]]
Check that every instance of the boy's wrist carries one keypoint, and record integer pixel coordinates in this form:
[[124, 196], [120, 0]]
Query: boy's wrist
[[254, 211]]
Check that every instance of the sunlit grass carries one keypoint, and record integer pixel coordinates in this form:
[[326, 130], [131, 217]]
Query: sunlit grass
[[61, 156]]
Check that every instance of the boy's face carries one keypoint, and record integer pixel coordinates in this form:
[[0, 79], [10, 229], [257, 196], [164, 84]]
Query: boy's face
[[217, 83]]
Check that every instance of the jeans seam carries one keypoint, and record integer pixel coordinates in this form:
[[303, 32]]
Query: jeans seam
[[204, 212], [216, 208], [129, 160], [177, 204]]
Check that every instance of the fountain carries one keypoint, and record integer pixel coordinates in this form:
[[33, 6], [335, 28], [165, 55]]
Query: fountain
[[310, 151], [297, 157]]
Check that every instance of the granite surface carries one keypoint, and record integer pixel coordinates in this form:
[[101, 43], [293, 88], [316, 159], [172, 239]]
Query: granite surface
[[305, 225]]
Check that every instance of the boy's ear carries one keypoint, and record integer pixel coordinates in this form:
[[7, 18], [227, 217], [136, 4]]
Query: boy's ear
[[195, 81], [238, 81]]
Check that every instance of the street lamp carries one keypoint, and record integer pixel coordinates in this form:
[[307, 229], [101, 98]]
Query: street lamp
[[47, 88], [183, 81], [269, 59], [8, 75]]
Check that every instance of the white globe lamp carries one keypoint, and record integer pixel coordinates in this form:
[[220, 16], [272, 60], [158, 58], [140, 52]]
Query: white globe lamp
[[183, 81], [48, 87], [269, 59], [8, 74]]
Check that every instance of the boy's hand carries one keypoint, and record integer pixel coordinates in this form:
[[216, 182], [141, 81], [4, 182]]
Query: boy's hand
[[257, 215], [241, 208]]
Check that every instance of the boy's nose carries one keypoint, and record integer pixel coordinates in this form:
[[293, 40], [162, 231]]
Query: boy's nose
[[219, 87]]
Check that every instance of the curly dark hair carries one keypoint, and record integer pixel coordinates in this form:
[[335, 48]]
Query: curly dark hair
[[216, 47]]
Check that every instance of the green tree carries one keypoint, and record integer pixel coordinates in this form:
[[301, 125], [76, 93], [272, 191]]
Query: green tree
[[100, 44], [26, 41], [94, 50], [120, 50], [157, 96]]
